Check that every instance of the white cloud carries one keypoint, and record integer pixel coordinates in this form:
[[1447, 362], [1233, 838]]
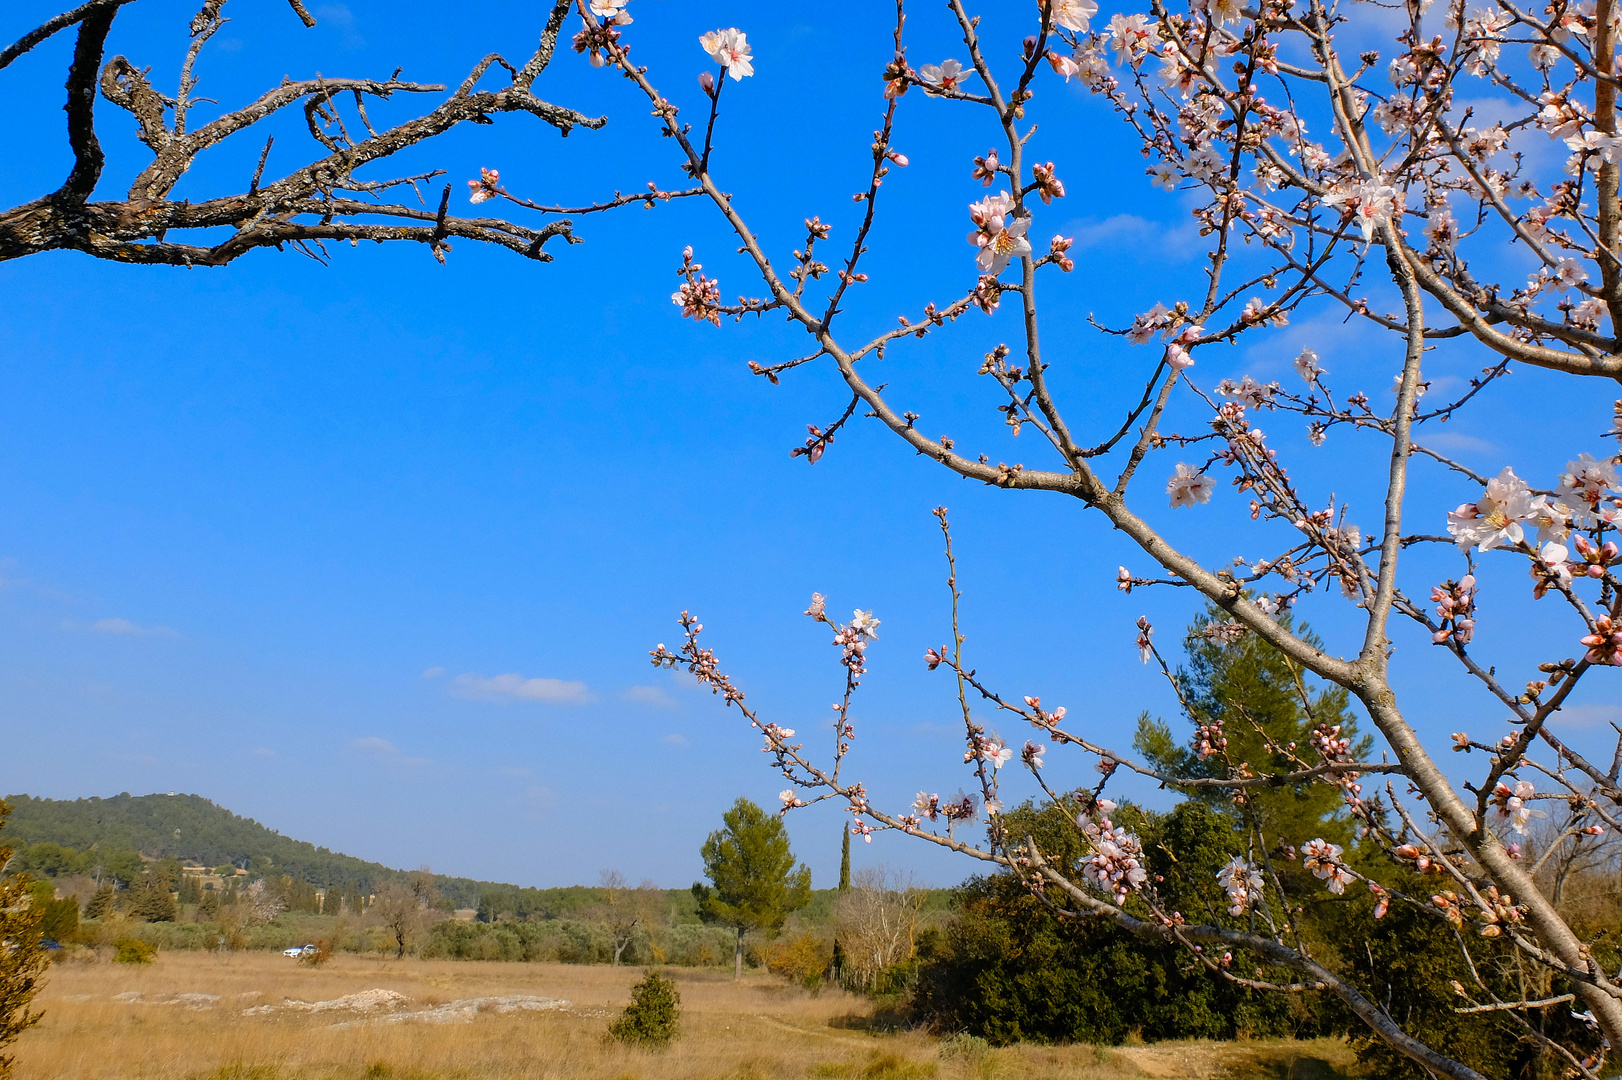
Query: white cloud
[[126, 628], [382, 750], [1136, 236], [376, 747], [674, 739], [650, 695], [433, 672], [510, 688], [1456, 441], [1586, 716]]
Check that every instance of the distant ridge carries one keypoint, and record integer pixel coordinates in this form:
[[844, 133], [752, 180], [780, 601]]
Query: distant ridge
[[191, 827]]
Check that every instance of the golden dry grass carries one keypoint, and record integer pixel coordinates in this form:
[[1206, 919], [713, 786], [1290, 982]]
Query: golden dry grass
[[755, 1030]]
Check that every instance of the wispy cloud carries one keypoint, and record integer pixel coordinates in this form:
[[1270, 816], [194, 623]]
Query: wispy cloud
[[674, 739], [1456, 441], [339, 17], [433, 672], [1586, 716], [380, 749], [1134, 236], [654, 696], [505, 689], [120, 627]]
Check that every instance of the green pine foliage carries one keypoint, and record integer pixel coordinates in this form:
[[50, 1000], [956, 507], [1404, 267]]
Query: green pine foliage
[[755, 884], [1249, 684], [653, 1018], [150, 900]]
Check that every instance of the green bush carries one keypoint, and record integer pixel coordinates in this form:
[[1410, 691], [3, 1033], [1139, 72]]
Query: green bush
[[1011, 971], [134, 951], [652, 1017]]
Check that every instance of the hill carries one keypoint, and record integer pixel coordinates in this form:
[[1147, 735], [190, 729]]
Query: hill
[[115, 835]]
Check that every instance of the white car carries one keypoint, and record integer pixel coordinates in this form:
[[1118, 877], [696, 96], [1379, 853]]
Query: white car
[[299, 952]]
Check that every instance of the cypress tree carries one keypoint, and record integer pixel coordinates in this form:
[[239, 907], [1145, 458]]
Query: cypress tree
[[836, 967]]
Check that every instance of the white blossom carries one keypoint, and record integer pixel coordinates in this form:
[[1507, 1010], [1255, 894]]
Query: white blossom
[[1495, 519], [1188, 486], [1073, 14], [730, 49]]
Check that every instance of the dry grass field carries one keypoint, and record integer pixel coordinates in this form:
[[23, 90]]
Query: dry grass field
[[198, 1016]]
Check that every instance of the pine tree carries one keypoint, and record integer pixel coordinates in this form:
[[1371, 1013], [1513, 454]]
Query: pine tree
[[101, 905], [151, 900], [23, 959], [756, 883], [1248, 684]]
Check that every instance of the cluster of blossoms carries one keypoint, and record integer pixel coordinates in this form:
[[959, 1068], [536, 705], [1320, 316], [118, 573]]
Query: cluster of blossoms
[[1605, 643], [1329, 742], [699, 297], [1511, 804], [990, 749], [1455, 610], [729, 48], [1040, 717], [1499, 518], [1336, 747], [1323, 860], [1422, 862], [1116, 859], [998, 232], [487, 186], [1175, 330], [1209, 739], [1243, 884], [1248, 391], [1226, 632], [1496, 911], [853, 638]]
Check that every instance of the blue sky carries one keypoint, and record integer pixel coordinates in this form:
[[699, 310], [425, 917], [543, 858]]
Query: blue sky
[[374, 551]]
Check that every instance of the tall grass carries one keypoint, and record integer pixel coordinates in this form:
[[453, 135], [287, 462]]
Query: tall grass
[[757, 1029]]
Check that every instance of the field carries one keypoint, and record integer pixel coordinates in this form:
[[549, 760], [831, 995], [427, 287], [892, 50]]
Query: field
[[200, 1016]]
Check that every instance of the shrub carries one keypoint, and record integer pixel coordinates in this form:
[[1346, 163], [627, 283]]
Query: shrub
[[134, 951], [322, 953], [653, 1016], [803, 959], [963, 1045], [1011, 971]]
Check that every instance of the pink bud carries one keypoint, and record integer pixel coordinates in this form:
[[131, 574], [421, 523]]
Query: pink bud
[[899, 159], [706, 82]]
